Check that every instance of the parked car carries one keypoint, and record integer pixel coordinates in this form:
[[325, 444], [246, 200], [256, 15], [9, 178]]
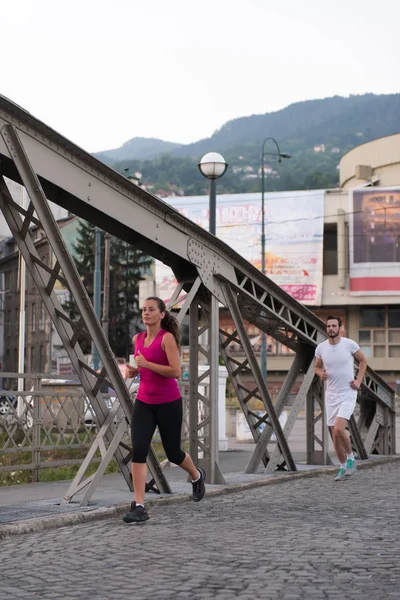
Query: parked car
[[7, 404]]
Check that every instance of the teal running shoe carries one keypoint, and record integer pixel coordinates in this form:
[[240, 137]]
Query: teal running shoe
[[341, 474], [351, 467]]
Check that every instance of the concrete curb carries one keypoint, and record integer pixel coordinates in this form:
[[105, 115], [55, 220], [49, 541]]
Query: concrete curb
[[56, 521]]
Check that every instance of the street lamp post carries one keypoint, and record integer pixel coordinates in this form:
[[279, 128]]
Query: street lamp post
[[280, 155], [213, 166]]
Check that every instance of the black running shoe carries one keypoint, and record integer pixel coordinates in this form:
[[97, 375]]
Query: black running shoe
[[199, 489], [136, 514]]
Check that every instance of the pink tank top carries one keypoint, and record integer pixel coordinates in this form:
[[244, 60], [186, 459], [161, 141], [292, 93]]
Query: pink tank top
[[155, 388]]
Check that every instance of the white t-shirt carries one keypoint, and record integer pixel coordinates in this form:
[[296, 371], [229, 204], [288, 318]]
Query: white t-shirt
[[339, 364]]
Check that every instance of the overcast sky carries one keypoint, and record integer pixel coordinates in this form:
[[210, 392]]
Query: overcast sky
[[101, 72]]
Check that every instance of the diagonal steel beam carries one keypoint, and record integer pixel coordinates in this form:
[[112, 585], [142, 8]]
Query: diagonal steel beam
[[357, 440], [187, 299], [48, 223], [236, 369], [265, 437], [369, 443], [298, 405], [64, 329], [238, 320]]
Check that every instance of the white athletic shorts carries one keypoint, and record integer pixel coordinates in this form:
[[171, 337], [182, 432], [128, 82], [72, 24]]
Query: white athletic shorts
[[340, 405]]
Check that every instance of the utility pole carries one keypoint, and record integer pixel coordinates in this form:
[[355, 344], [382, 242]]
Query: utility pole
[[97, 292], [21, 333], [106, 283], [280, 155]]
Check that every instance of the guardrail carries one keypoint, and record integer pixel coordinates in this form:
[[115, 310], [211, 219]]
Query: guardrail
[[43, 429]]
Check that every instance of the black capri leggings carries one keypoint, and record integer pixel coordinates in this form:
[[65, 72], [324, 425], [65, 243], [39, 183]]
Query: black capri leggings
[[168, 417]]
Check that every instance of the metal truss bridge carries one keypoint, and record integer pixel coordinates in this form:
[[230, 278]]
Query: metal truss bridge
[[209, 273]]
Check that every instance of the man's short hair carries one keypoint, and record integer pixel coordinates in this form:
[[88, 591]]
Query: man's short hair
[[334, 317]]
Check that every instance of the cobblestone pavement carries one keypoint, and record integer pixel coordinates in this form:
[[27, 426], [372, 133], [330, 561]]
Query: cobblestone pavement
[[301, 539]]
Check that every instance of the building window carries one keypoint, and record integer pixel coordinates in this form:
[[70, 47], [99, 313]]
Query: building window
[[394, 317], [372, 316], [379, 332], [42, 319], [330, 262]]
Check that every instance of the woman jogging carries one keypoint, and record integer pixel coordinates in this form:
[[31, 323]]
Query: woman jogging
[[158, 403]]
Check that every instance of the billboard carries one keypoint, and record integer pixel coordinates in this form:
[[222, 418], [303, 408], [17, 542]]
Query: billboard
[[375, 241], [293, 237]]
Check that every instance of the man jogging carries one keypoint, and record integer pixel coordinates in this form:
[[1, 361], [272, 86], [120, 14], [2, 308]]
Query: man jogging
[[334, 363]]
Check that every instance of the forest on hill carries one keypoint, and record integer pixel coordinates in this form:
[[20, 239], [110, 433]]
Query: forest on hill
[[316, 133]]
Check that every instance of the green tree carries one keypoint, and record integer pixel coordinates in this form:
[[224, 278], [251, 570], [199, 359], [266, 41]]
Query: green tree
[[127, 267]]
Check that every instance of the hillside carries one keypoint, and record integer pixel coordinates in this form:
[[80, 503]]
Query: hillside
[[316, 133], [141, 148]]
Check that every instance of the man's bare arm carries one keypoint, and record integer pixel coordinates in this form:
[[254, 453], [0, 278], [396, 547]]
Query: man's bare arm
[[362, 367], [319, 369]]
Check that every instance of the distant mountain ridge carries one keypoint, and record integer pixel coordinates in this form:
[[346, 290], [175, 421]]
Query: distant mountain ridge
[[137, 147], [315, 132], [315, 120]]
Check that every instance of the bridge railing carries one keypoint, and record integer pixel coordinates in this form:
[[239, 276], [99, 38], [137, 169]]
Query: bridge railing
[[46, 429]]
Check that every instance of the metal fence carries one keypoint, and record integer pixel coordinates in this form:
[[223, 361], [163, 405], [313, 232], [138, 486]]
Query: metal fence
[[52, 426]]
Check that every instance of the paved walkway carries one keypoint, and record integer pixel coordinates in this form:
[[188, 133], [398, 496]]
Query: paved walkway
[[32, 507], [306, 538], [37, 506]]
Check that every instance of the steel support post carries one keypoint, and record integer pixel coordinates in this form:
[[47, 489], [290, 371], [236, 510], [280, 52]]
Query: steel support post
[[193, 382], [326, 459], [316, 399], [392, 426], [209, 379], [213, 387], [202, 448], [386, 432], [37, 427]]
